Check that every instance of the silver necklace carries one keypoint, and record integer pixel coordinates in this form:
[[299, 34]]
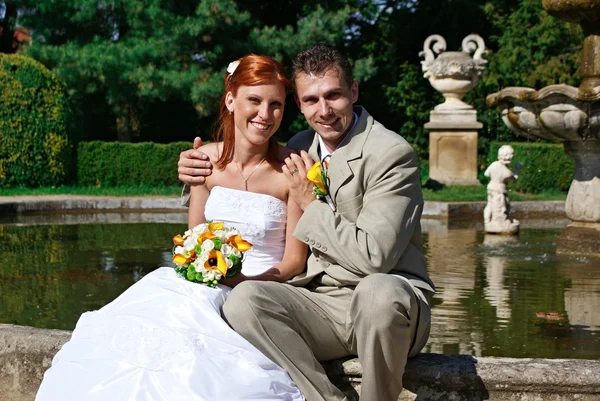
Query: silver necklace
[[249, 175]]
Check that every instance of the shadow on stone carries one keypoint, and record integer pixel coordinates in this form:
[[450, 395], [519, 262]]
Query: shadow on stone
[[458, 380]]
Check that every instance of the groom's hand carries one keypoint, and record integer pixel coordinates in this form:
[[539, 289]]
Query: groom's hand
[[295, 169], [233, 281], [194, 165]]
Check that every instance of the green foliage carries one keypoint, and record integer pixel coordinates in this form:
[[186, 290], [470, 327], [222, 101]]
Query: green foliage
[[545, 166], [136, 67], [132, 54], [35, 143], [413, 100], [106, 164]]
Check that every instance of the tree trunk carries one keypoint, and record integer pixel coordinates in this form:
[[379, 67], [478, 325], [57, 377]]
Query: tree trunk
[[8, 28], [124, 125]]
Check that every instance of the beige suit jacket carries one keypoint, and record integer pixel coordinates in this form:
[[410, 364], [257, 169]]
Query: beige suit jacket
[[375, 228]]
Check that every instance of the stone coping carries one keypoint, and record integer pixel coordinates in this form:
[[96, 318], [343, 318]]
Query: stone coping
[[26, 353], [73, 203], [63, 203]]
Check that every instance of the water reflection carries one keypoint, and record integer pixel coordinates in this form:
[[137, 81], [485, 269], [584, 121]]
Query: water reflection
[[497, 296], [511, 296], [453, 272], [495, 266]]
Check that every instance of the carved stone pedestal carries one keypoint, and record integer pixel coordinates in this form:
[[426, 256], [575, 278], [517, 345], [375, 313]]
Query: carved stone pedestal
[[453, 147], [582, 237]]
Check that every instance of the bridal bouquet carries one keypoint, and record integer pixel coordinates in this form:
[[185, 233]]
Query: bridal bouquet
[[208, 252]]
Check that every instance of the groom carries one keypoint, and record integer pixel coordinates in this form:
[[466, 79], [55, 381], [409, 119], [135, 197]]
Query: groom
[[365, 291]]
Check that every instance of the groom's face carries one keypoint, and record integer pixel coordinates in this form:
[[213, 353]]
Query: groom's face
[[326, 101]]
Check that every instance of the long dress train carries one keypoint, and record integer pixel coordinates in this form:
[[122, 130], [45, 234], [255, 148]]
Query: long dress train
[[164, 339]]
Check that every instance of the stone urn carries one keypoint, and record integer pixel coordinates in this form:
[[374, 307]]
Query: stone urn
[[453, 126], [453, 74]]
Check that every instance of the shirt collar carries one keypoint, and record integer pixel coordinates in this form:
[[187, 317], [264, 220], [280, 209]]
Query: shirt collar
[[323, 151]]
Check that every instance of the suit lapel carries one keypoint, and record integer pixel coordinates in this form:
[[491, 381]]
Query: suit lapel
[[313, 151], [339, 171]]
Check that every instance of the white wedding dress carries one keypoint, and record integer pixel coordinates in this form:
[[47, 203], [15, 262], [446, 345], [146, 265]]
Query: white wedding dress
[[164, 338]]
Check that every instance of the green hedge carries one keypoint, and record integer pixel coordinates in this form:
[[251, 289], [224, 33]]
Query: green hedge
[[119, 163], [35, 125], [545, 166]]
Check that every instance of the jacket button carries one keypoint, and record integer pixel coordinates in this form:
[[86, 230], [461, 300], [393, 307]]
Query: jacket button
[[305, 239], [312, 242], [318, 245], [324, 249]]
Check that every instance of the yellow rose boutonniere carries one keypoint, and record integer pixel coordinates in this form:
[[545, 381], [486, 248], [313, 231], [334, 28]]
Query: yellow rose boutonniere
[[317, 176]]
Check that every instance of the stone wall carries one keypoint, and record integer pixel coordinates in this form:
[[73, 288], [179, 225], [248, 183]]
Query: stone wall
[[26, 353]]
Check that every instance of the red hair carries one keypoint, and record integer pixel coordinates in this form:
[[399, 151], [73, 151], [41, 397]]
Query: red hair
[[252, 70]]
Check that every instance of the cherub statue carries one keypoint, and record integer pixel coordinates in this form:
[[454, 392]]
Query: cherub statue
[[496, 215]]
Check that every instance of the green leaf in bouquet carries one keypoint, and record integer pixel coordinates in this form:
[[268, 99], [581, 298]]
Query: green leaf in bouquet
[[218, 243], [191, 273], [234, 259], [199, 277], [235, 269]]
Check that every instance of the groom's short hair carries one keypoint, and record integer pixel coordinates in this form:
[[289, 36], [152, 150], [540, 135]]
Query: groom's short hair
[[319, 58]]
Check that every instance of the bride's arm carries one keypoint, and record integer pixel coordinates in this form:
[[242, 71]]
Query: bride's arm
[[198, 196], [296, 252], [199, 193], [294, 255]]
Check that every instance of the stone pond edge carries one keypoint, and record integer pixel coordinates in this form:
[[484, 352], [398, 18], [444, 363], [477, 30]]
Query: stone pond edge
[[26, 353], [58, 203]]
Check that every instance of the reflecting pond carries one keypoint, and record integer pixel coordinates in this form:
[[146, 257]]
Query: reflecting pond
[[497, 296]]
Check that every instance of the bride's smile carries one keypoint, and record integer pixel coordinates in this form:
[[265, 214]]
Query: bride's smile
[[257, 111]]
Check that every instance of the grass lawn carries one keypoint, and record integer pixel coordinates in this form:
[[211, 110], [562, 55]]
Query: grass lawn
[[470, 194], [446, 194], [141, 190]]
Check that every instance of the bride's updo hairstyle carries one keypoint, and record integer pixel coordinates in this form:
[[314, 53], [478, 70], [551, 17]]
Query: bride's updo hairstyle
[[251, 70]]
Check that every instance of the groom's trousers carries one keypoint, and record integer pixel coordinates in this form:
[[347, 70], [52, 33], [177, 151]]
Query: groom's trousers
[[384, 320]]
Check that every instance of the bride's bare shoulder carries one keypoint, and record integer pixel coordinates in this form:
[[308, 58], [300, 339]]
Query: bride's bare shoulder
[[212, 150]]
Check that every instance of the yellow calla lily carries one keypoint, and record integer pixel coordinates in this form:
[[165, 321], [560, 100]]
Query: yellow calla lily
[[206, 235], [179, 259], [216, 226], [216, 261], [238, 243], [178, 240], [315, 175]]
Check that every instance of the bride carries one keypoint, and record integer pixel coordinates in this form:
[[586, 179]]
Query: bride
[[164, 338]]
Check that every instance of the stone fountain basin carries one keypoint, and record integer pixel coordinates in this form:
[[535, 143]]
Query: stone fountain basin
[[556, 113]]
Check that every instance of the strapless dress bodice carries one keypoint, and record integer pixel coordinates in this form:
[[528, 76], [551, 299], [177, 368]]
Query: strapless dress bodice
[[260, 218]]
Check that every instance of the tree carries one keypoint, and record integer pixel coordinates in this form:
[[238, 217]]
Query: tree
[[8, 10], [137, 59], [133, 53], [35, 145]]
